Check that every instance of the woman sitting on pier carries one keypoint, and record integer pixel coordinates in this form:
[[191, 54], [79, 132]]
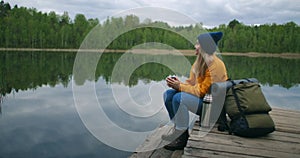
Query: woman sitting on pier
[[188, 96]]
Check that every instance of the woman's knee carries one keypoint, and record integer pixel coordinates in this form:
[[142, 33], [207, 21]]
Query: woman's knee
[[168, 94], [177, 98], [193, 103]]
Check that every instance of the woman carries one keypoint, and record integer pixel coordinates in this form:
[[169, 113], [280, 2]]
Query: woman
[[188, 96]]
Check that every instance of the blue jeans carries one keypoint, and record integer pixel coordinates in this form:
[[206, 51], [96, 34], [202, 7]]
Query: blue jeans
[[178, 105]]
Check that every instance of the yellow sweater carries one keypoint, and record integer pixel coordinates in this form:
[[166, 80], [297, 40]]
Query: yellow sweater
[[216, 72]]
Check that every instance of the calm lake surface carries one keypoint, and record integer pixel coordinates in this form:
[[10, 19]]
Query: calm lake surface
[[38, 113]]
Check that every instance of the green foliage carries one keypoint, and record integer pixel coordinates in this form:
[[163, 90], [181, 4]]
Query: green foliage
[[22, 27], [28, 28], [264, 38], [150, 34]]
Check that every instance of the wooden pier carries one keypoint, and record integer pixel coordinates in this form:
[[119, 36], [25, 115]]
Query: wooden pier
[[282, 143]]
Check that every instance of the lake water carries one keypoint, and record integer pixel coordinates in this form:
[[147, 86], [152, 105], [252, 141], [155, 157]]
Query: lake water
[[39, 117]]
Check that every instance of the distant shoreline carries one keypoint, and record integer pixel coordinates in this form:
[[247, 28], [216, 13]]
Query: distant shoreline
[[155, 51]]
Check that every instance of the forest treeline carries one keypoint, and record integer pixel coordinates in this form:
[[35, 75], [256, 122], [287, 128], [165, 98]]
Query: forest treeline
[[22, 27]]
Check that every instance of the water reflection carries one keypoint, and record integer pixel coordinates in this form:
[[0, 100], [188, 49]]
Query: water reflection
[[278, 96], [23, 71], [44, 123], [269, 71]]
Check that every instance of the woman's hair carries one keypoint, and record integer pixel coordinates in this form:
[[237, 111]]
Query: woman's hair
[[201, 64]]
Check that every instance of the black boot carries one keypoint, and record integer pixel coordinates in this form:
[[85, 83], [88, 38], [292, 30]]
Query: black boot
[[179, 143], [173, 135]]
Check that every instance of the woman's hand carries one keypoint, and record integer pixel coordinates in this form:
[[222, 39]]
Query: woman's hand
[[173, 82]]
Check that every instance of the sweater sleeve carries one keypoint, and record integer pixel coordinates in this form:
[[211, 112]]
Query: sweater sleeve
[[200, 88]]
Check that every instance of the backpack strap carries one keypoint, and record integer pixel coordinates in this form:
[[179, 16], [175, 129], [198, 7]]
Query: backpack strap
[[223, 120], [223, 123], [236, 98]]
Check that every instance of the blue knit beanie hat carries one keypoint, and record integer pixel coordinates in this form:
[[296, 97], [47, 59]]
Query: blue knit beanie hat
[[209, 41]]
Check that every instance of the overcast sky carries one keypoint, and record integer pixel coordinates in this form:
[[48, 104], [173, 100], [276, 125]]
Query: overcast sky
[[209, 12]]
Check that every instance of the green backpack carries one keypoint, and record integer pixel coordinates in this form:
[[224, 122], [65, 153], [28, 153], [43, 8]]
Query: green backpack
[[248, 110]]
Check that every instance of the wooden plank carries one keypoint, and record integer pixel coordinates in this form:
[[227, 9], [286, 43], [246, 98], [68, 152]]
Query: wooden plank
[[285, 112], [283, 137], [289, 125], [161, 153], [278, 127], [197, 146], [287, 115], [195, 153], [287, 129], [256, 143], [292, 131], [276, 135], [189, 156], [284, 142], [286, 120], [288, 136], [290, 116], [177, 154]]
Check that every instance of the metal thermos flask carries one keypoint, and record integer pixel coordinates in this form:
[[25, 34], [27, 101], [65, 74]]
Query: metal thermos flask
[[206, 111]]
